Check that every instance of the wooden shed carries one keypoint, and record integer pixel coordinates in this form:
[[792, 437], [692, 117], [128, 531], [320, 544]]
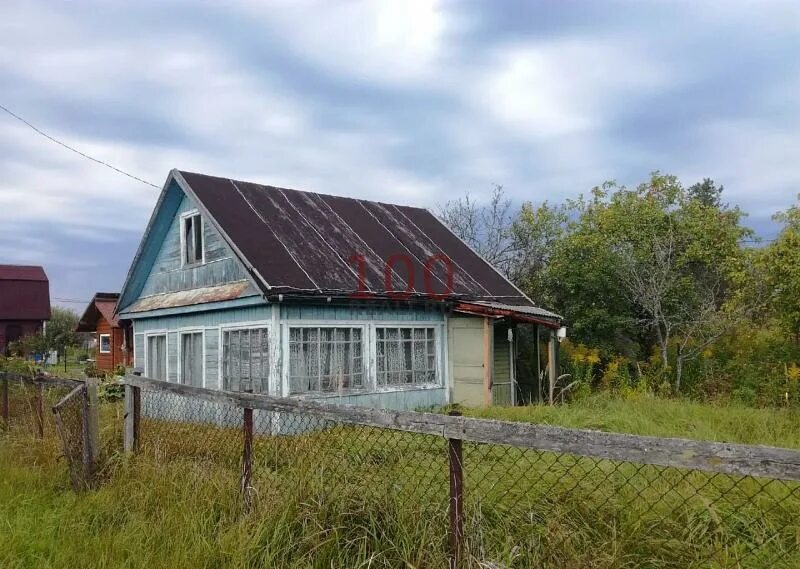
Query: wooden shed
[[113, 346]]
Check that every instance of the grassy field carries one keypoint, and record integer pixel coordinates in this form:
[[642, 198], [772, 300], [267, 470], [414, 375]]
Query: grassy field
[[356, 497]]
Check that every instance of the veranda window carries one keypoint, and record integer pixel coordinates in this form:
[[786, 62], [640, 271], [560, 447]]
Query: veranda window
[[406, 356], [325, 359], [157, 357], [245, 360], [192, 358]]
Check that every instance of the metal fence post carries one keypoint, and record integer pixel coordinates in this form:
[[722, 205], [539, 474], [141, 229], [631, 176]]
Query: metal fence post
[[247, 456], [4, 398], [456, 508]]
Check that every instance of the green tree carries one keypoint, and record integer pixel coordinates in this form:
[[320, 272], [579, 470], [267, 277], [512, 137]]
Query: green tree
[[781, 263]]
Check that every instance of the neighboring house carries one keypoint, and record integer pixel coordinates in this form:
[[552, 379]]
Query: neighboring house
[[24, 302], [113, 345], [240, 286]]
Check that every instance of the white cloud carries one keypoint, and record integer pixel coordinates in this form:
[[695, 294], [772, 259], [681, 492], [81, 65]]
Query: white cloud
[[381, 41], [563, 87]]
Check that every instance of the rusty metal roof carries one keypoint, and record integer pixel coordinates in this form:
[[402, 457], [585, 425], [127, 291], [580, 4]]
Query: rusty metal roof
[[305, 243], [514, 312], [203, 295], [24, 293]]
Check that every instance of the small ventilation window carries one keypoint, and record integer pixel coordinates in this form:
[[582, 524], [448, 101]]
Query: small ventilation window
[[192, 239]]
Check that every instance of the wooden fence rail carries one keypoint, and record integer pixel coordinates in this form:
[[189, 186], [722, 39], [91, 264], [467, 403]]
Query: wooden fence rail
[[728, 458]]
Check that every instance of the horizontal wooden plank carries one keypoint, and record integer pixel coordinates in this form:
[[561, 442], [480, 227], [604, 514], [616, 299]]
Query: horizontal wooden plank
[[728, 458]]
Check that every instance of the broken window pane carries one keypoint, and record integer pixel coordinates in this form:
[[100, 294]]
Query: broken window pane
[[405, 356], [325, 359]]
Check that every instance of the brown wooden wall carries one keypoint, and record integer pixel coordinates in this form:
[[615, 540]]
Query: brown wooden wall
[[117, 356]]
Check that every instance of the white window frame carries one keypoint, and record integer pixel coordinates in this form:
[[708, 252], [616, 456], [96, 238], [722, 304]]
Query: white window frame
[[437, 350], [147, 336], [181, 333], [100, 343], [368, 385], [275, 350], [182, 228], [370, 345]]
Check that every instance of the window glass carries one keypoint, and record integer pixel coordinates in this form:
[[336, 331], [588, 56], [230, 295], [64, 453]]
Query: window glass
[[325, 359], [245, 360], [157, 357], [406, 356], [192, 359], [105, 343], [192, 240]]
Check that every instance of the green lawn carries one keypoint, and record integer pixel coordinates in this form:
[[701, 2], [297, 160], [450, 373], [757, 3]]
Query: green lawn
[[647, 415], [359, 497]]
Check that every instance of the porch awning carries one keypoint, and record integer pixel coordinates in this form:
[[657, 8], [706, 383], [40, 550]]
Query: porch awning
[[532, 314]]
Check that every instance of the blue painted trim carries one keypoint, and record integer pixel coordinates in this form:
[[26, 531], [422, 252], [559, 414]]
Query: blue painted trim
[[207, 307]]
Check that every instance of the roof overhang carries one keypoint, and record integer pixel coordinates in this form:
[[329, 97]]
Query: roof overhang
[[527, 314]]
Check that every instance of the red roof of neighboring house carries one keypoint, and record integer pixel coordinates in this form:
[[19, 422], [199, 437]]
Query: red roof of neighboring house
[[103, 304], [22, 273], [24, 293]]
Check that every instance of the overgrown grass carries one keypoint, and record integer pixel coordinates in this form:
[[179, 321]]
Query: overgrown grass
[[358, 497], [647, 415]]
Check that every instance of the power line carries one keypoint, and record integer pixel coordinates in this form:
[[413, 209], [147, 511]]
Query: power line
[[75, 150], [70, 300]]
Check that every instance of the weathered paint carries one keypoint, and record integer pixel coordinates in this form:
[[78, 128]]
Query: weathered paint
[[501, 366], [278, 319], [361, 312], [168, 274], [465, 349]]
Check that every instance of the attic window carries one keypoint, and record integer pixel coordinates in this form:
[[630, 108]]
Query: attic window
[[192, 239]]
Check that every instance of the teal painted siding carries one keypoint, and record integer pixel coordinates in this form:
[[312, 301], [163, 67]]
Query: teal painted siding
[[361, 313], [138, 351], [166, 275], [402, 400], [208, 319], [172, 356], [212, 358]]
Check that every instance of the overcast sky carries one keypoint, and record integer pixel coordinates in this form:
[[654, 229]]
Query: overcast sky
[[412, 102]]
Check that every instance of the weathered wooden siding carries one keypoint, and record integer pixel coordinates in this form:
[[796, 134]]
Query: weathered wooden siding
[[402, 400], [212, 358], [361, 313], [211, 321], [167, 275], [465, 347], [138, 350], [172, 356]]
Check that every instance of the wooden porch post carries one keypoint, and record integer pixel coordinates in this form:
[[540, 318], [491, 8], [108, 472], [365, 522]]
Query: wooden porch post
[[552, 364], [487, 361]]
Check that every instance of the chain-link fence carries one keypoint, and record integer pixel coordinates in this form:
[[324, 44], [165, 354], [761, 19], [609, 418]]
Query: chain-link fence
[[484, 493], [25, 402], [61, 412]]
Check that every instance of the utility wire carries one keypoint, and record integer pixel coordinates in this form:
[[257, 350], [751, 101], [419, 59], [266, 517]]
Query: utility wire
[[75, 150], [70, 300]]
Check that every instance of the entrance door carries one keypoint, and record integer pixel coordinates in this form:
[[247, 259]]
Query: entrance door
[[157, 357], [503, 384]]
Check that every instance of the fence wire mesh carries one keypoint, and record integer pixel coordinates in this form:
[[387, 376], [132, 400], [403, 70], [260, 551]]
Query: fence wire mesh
[[71, 423], [521, 507], [25, 403]]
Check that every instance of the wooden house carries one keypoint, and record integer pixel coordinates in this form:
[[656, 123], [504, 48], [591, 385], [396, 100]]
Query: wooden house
[[240, 286], [113, 344], [24, 302]]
